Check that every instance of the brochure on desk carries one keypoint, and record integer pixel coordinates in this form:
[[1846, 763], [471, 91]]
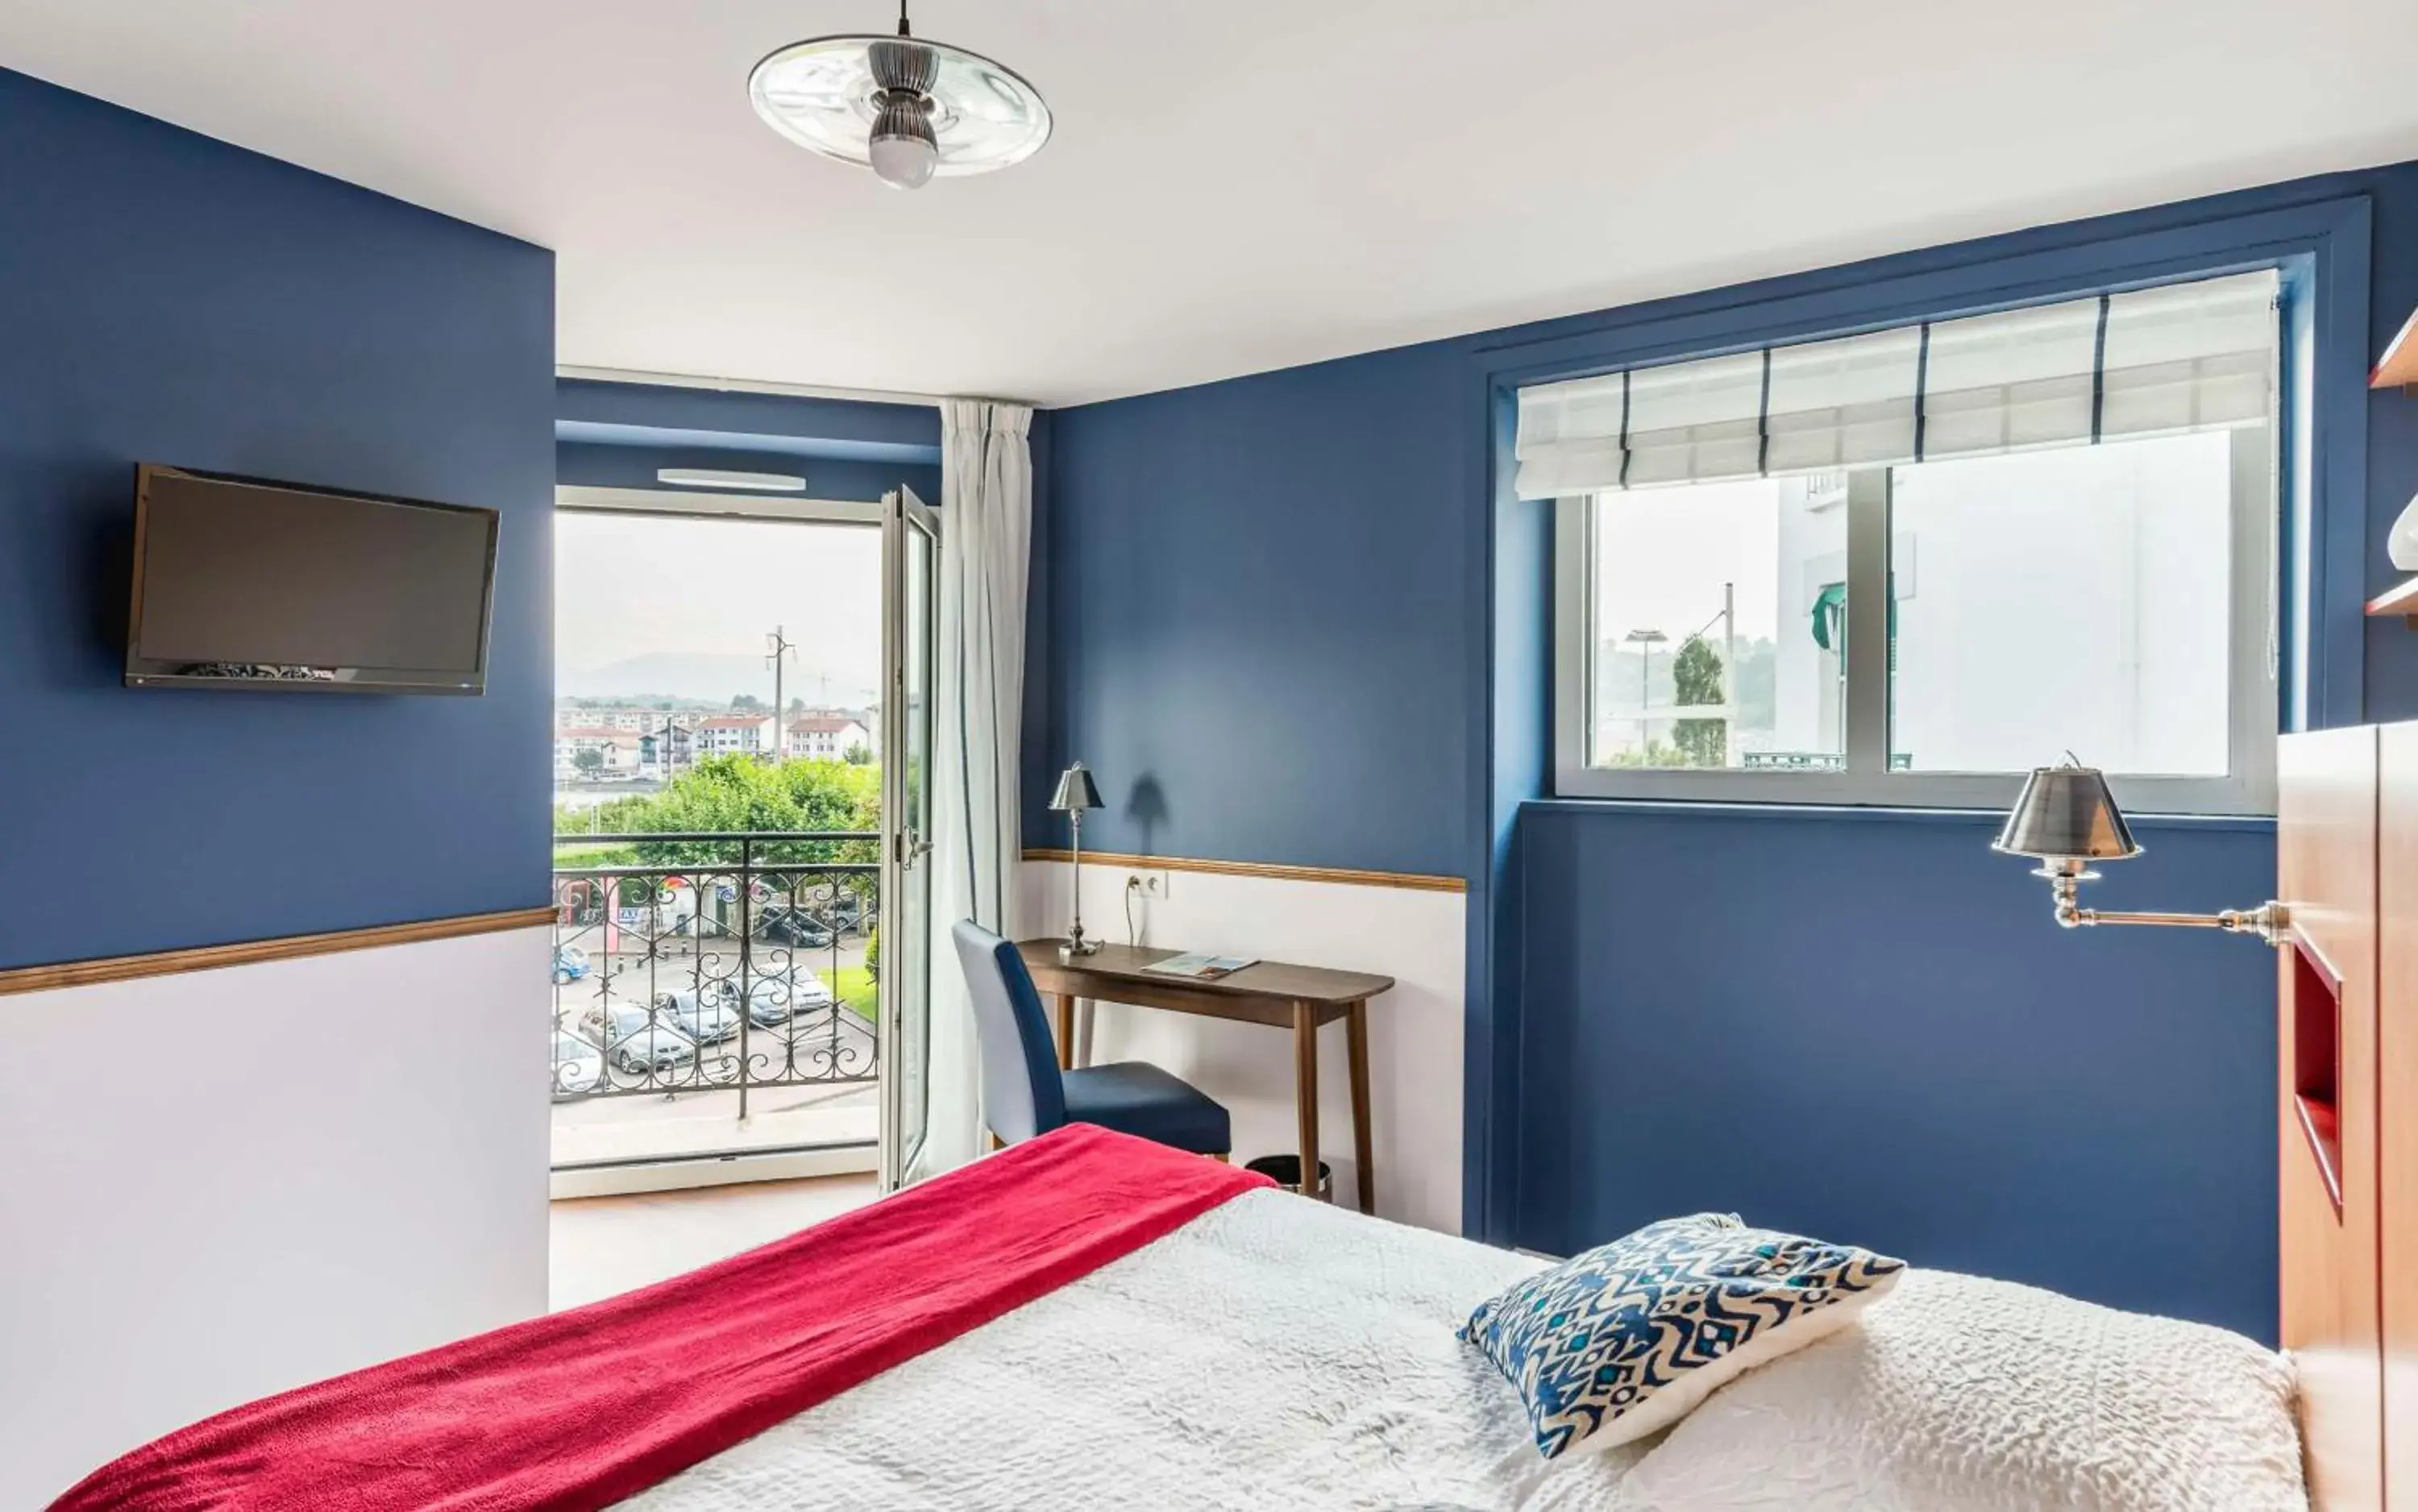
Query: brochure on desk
[[1200, 968]]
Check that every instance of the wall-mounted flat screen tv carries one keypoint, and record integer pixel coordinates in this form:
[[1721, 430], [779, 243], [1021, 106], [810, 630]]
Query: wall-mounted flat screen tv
[[243, 583]]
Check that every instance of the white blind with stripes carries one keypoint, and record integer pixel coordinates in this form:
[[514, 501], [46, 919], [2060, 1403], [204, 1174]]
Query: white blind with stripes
[[2157, 361]]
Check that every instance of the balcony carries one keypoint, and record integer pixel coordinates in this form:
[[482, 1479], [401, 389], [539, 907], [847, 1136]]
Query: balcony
[[714, 995]]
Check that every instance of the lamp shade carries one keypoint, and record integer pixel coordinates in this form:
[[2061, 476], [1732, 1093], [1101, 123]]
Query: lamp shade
[[1076, 790], [2067, 813]]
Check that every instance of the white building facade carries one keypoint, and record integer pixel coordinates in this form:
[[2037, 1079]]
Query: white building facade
[[826, 738]]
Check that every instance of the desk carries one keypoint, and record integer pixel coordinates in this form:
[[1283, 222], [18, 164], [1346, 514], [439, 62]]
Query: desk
[[1300, 997]]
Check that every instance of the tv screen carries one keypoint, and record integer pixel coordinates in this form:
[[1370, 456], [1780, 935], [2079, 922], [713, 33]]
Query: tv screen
[[243, 583]]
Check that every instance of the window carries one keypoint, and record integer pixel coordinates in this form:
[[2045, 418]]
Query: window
[[1905, 568]]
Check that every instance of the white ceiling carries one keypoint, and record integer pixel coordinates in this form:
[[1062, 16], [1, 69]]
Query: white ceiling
[[1249, 184]]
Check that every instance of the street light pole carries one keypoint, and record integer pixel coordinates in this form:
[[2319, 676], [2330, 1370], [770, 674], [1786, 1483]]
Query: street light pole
[[778, 649], [1727, 619], [1729, 669], [1646, 640]]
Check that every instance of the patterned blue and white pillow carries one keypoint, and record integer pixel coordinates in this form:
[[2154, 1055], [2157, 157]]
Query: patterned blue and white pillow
[[1624, 1340]]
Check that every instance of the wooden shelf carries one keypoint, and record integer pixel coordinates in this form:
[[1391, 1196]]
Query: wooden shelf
[[2399, 363], [2401, 602]]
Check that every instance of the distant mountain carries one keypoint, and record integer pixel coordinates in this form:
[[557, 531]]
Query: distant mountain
[[711, 677]]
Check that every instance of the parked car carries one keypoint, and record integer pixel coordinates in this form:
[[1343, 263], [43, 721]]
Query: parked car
[[777, 998], [849, 914], [793, 926], [656, 1049], [707, 1015], [578, 1067], [639, 1041], [606, 1021], [570, 964]]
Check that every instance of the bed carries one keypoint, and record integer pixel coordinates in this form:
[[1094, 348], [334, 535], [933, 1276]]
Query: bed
[[1087, 1321], [1275, 1354]]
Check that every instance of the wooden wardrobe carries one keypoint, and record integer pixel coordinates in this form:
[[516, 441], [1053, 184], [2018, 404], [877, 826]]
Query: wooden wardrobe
[[2347, 1098]]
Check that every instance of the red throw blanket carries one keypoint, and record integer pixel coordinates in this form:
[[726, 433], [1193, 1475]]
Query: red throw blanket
[[581, 1408]]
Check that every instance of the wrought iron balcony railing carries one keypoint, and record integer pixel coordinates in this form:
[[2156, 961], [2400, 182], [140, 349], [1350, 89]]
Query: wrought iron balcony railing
[[700, 962]]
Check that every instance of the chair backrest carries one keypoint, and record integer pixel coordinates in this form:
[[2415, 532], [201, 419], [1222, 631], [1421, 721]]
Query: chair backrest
[[1022, 1093]]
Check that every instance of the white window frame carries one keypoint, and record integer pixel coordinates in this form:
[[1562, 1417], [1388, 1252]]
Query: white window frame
[[2248, 788]]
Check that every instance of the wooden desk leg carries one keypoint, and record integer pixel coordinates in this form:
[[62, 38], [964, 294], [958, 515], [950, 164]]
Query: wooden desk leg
[[1355, 1030], [1066, 1032], [1305, 1089]]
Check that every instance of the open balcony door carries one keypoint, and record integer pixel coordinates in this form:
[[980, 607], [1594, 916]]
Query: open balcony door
[[911, 557]]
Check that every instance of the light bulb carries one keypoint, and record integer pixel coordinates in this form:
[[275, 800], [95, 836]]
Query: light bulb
[[903, 161], [902, 148]]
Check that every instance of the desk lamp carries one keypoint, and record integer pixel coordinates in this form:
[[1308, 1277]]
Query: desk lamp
[[1076, 793]]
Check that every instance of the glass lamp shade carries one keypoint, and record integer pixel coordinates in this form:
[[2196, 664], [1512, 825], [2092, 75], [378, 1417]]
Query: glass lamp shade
[[827, 95], [2067, 813], [1076, 790]]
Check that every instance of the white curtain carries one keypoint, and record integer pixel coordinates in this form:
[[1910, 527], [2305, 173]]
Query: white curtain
[[986, 537], [2181, 357]]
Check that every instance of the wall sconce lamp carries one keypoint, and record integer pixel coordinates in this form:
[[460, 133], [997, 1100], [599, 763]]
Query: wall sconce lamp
[[2066, 819], [1076, 793]]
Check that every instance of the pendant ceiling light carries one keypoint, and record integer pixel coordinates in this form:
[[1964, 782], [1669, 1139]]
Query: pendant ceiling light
[[908, 109]]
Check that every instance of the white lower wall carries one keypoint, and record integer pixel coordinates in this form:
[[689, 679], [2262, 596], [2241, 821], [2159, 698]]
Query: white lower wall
[[1414, 1031], [229, 1182]]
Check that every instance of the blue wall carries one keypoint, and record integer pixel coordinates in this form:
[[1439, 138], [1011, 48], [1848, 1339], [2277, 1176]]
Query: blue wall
[[1870, 1027], [613, 465], [166, 298], [1256, 615], [1281, 623], [643, 414], [617, 435]]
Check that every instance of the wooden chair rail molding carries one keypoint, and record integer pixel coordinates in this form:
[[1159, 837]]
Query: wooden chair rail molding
[[1416, 881], [249, 953]]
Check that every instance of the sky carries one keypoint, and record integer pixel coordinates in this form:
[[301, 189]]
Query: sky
[[1722, 532], [707, 591]]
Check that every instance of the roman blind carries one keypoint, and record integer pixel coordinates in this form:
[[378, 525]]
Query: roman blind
[[2156, 361]]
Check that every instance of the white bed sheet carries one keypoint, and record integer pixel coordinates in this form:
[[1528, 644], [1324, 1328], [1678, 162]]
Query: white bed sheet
[[1272, 1353]]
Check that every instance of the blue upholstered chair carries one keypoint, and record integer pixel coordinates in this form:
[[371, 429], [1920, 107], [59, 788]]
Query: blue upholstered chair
[[1024, 1093]]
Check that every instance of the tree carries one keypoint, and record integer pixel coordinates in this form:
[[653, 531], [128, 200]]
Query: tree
[[1696, 681], [736, 793], [858, 755], [588, 761], [746, 703]]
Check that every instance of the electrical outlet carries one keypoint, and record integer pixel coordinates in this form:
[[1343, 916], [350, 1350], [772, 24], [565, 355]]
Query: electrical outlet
[[1152, 885]]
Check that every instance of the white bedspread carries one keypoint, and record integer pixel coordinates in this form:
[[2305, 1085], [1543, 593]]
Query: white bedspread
[[1272, 1353], [1277, 1355]]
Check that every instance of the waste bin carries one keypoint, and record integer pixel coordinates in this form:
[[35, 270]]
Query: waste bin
[[1285, 1171]]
